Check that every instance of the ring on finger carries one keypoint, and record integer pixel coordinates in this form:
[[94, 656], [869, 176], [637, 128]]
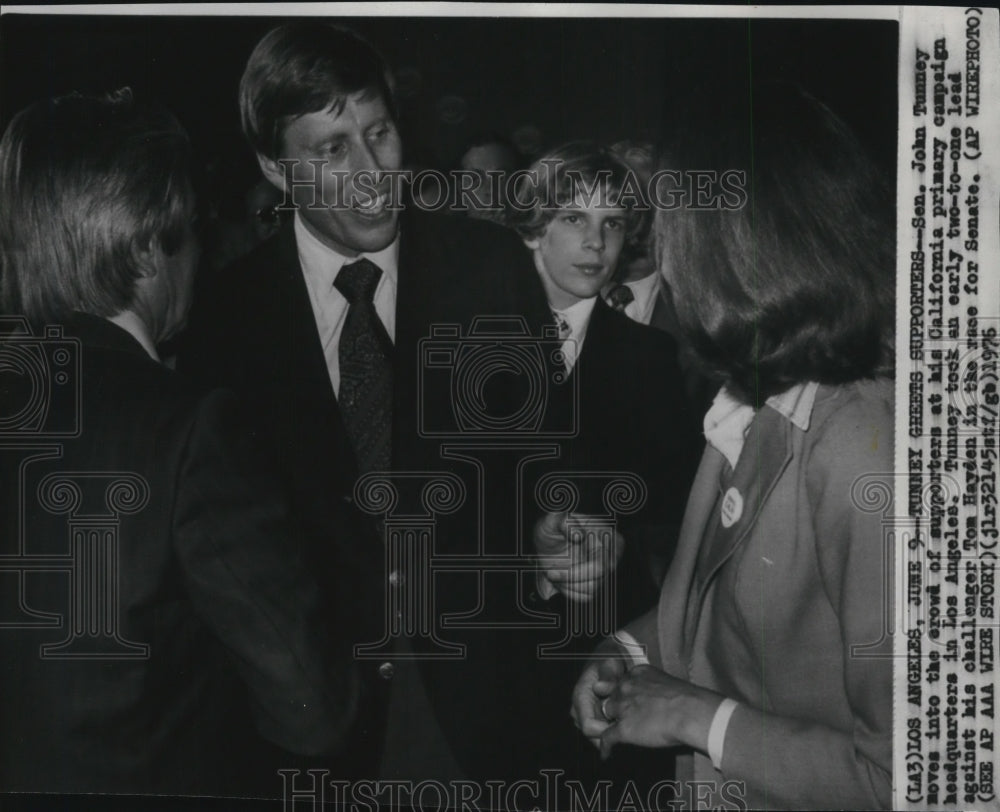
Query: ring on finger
[[604, 709]]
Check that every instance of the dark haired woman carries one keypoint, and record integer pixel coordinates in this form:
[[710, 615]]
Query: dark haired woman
[[768, 671]]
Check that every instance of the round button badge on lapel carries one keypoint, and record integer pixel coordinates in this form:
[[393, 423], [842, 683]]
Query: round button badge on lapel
[[732, 507]]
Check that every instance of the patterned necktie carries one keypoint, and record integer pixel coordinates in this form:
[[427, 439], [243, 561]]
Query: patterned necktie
[[620, 297], [565, 331], [565, 336], [365, 355]]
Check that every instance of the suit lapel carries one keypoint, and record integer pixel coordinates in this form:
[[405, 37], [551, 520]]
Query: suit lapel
[[599, 328], [428, 274], [570, 396], [599, 347], [299, 352], [765, 455], [419, 279], [663, 317], [530, 298], [680, 579], [411, 258], [305, 355]]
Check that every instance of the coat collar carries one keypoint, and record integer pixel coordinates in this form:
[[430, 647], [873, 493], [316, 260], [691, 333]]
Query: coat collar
[[663, 316], [766, 452], [728, 419], [95, 331]]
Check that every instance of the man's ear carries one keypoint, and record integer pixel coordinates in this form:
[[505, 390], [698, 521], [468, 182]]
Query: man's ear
[[273, 171], [531, 242], [148, 258]]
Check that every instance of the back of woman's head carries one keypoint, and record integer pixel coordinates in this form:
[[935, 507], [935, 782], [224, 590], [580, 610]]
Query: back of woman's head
[[87, 185], [797, 283]]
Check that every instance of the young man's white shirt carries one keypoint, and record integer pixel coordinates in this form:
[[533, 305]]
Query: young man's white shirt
[[577, 316]]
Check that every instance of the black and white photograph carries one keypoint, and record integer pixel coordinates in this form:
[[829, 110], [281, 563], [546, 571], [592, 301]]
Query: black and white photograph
[[465, 407]]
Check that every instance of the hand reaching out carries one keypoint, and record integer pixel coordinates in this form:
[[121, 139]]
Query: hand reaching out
[[577, 553]]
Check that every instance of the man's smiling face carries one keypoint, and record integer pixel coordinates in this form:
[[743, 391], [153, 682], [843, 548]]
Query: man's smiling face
[[324, 152]]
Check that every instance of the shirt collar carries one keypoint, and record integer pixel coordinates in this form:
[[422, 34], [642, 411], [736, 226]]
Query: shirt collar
[[645, 290], [578, 317], [796, 404], [728, 419], [322, 264]]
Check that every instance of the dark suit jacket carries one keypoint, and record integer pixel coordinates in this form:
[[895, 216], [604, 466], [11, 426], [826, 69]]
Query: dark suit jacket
[[632, 417], [253, 330], [204, 611]]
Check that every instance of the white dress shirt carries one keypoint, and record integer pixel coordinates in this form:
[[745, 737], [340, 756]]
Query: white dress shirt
[[320, 266], [645, 291]]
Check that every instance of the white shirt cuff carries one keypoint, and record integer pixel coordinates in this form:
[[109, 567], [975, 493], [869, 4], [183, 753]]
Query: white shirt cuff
[[717, 732]]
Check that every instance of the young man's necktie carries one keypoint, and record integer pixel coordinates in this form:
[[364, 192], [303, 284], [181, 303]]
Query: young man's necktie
[[565, 336], [620, 297], [565, 331]]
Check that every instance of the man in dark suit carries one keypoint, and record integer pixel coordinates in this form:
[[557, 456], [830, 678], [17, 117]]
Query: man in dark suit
[[320, 332], [633, 455], [577, 219], [151, 600]]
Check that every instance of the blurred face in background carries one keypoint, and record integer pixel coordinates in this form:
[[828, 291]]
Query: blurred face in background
[[484, 160], [261, 212]]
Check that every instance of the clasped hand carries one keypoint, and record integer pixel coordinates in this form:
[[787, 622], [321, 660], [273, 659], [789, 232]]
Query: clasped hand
[[576, 553], [642, 705]]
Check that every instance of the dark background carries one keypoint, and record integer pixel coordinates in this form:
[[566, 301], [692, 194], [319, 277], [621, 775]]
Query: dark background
[[605, 79]]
